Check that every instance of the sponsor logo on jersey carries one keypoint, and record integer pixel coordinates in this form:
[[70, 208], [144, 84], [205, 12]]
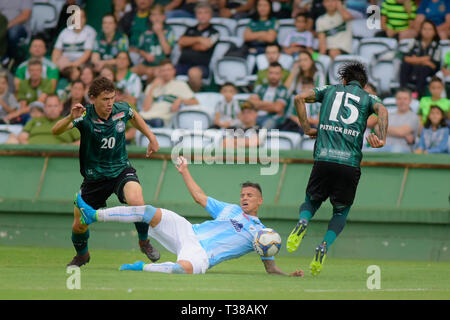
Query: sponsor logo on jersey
[[120, 126], [236, 225], [118, 116]]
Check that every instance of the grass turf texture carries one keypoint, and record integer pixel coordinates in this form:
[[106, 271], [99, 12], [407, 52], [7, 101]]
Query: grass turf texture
[[40, 273]]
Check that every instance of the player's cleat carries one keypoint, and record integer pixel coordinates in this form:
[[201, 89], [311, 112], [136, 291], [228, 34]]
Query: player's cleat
[[296, 236], [151, 252], [79, 260], [319, 258], [137, 266], [88, 214]]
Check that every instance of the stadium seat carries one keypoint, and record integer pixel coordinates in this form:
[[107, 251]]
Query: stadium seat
[[285, 60], [323, 63], [209, 99], [242, 96], [360, 30], [191, 118], [163, 135], [225, 26], [194, 139], [179, 25], [285, 27], [355, 45], [341, 60], [286, 140], [391, 105], [44, 16], [385, 74], [405, 45], [231, 69], [308, 143], [240, 27], [370, 47]]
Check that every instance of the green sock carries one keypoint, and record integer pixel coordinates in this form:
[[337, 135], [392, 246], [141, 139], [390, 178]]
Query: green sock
[[329, 238], [80, 242], [309, 208], [142, 230], [337, 224]]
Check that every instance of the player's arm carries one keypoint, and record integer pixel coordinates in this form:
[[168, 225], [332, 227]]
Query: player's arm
[[272, 268], [67, 123], [138, 122], [196, 192], [299, 102], [378, 139]]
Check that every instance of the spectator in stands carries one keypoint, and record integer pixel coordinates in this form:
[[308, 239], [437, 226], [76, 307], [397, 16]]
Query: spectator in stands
[[181, 9], [18, 14], [437, 11], [135, 22], [155, 44], [8, 102], [107, 72], [108, 44], [446, 73], [247, 134], [316, 10], [35, 88], [301, 7], [434, 136], [197, 46], [272, 55], [120, 7], [397, 19], [299, 40], [74, 46], [77, 92], [436, 89], [271, 99], [164, 96], [87, 75], [67, 76], [423, 60], [236, 9], [404, 125], [37, 51], [228, 109], [312, 112], [333, 29], [304, 68], [39, 130], [262, 30], [127, 82]]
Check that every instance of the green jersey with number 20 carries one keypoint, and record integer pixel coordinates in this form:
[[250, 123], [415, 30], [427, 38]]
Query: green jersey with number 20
[[343, 118], [102, 149]]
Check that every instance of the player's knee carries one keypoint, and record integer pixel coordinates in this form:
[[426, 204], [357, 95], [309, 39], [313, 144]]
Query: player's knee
[[77, 227], [186, 266]]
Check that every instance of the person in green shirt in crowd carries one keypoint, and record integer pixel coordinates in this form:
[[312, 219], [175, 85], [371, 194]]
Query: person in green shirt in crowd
[[155, 44], [398, 19], [134, 23], [273, 53], [49, 69], [108, 43], [436, 88], [35, 88], [39, 130]]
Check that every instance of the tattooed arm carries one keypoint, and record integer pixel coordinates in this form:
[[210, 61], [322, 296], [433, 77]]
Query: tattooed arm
[[299, 102], [379, 139]]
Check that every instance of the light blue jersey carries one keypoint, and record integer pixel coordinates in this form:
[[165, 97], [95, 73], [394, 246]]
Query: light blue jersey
[[230, 235]]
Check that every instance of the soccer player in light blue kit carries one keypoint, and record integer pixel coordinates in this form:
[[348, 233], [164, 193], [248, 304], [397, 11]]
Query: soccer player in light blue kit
[[201, 246]]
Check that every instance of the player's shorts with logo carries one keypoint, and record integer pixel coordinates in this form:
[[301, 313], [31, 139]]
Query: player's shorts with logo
[[334, 180], [96, 192], [175, 233]]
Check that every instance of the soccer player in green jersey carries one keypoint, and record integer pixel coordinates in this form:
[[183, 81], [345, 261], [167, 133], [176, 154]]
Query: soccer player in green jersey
[[104, 161], [337, 151]]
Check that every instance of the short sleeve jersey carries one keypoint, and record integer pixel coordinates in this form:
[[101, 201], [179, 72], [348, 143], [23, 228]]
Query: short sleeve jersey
[[342, 122], [109, 50], [267, 93], [149, 42], [103, 154], [230, 235]]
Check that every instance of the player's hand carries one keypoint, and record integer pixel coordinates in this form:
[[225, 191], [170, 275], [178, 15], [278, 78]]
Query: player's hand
[[181, 164], [312, 133], [153, 146], [297, 273], [374, 141], [77, 111]]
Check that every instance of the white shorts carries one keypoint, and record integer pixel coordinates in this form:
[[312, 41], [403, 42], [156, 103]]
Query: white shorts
[[175, 233]]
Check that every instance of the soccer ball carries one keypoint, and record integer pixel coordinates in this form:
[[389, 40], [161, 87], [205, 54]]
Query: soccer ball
[[267, 242]]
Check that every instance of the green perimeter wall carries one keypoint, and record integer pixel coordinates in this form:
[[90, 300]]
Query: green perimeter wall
[[401, 209]]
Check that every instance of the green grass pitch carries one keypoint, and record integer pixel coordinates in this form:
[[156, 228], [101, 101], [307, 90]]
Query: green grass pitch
[[40, 273]]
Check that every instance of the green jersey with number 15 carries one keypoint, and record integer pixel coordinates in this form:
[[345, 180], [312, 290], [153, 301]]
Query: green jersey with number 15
[[103, 154], [343, 118]]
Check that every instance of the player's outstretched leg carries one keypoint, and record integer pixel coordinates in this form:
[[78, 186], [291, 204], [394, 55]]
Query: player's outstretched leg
[[166, 267], [307, 211], [319, 258]]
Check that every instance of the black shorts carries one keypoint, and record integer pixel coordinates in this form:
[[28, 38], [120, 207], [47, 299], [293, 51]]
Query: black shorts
[[96, 192], [334, 180]]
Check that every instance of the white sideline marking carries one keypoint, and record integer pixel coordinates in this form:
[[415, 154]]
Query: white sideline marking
[[378, 290]]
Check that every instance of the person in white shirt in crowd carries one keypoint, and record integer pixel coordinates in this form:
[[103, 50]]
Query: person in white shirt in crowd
[[228, 109]]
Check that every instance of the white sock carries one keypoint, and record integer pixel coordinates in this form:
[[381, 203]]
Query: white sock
[[166, 267], [127, 214]]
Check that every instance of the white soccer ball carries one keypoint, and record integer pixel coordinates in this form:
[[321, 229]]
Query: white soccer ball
[[267, 242]]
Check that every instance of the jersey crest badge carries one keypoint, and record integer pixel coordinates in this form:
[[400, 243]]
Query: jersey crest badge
[[120, 126]]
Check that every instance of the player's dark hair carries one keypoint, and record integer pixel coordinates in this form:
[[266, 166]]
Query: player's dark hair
[[252, 185], [353, 71], [99, 85], [443, 122]]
